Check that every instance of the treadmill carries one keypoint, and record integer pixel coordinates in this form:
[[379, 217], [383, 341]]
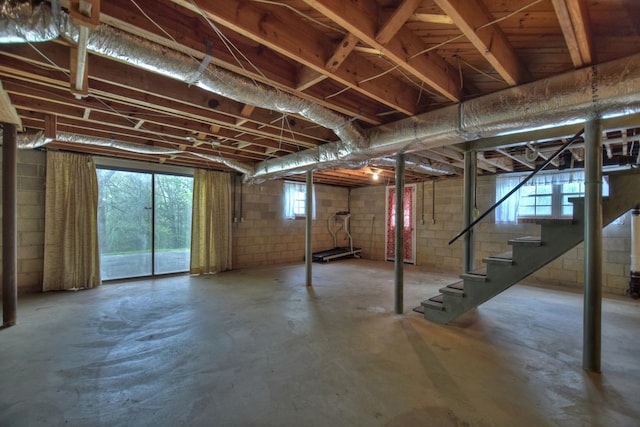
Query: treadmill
[[335, 223]]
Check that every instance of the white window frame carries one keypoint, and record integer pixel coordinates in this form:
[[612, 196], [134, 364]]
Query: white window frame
[[509, 212], [294, 200]]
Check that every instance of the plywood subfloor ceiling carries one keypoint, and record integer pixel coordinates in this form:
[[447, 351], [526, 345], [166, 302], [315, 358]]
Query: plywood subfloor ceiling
[[372, 61]]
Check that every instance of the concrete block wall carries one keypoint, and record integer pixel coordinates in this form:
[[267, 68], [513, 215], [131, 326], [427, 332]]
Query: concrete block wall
[[433, 250], [367, 221], [30, 219], [264, 237]]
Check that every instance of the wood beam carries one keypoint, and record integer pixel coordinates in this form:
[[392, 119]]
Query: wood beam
[[8, 113], [344, 48], [429, 68], [472, 19], [458, 157], [85, 12], [127, 84], [275, 69], [518, 159], [397, 20], [285, 33], [574, 21], [50, 126], [110, 122], [246, 112], [431, 18], [503, 163], [308, 77]]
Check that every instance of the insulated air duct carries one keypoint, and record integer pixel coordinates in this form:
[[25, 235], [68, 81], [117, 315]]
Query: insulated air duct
[[22, 23], [37, 140], [603, 90]]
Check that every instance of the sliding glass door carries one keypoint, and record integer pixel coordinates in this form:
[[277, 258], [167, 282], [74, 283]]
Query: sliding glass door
[[172, 223], [144, 223]]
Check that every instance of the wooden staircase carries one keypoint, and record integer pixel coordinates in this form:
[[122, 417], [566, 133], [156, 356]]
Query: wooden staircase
[[529, 254]]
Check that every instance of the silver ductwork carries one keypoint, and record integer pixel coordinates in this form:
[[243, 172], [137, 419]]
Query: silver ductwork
[[38, 140], [141, 53], [21, 23], [414, 165], [603, 90], [32, 141]]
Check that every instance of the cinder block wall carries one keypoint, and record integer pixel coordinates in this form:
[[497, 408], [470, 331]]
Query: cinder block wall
[[30, 219], [443, 220], [264, 237]]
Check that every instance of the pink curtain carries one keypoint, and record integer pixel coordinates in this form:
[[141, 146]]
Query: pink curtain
[[407, 222]]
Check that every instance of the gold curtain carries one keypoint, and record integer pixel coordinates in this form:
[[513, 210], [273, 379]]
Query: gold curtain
[[71, 255], [211, 223]]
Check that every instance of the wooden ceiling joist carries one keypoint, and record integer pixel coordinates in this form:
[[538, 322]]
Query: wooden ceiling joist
[[282, 32], [471, 18], [574, 21], [429, 69]]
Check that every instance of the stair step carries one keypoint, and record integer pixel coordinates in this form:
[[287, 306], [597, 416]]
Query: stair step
[[454, 289], [503, 258], [475, 277], [434, 303], [526, 241], [419, 309]]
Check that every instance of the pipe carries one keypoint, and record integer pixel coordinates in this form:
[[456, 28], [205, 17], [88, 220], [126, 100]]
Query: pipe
[[308, 253], [470, 171], [399, 236], [9, 224], [634, 281], [592, 246]]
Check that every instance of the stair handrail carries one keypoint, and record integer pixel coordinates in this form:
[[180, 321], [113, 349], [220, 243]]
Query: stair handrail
[[517, 187]]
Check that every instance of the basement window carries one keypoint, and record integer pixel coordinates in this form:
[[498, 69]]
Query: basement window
[[294, 200], [547, 195]]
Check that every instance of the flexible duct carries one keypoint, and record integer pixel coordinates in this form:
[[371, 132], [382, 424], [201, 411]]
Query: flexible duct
[[21, 23], [607, 89], [136, 51], [37, 140]]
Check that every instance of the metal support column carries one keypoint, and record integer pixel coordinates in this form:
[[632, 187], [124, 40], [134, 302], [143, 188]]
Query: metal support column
[[9, 230], [308, 255], [469, 203], [399, 237], [592, 246]]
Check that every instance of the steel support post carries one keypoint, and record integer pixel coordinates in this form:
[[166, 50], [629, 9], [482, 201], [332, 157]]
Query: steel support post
[[469, 203], [592, 247], [308, 254], [399, 237], [9, 230]]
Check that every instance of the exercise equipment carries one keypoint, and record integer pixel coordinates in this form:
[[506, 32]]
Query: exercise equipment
[[335, 223]]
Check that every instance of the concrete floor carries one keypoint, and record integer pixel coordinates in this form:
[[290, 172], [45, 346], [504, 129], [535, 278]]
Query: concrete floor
[[257, 348]]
